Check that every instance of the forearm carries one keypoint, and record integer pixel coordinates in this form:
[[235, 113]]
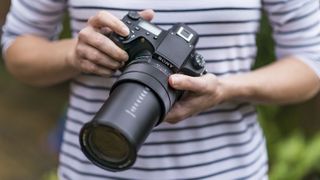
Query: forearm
[[285, 81], [37, 61]]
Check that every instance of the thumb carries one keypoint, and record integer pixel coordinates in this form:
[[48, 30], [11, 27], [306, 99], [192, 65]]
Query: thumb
[[147, 14], [184, 82], [195, 84]]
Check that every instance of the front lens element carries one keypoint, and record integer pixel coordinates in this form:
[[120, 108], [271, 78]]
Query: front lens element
[[108, 144]]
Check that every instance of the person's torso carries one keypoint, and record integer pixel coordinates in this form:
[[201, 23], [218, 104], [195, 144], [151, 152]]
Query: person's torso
[[224, 142]]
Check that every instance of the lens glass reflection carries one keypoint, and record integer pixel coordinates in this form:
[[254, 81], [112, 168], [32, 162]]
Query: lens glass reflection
[[108, 145]]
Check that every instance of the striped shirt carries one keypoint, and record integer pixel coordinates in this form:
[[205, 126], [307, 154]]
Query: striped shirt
[[225, 142]]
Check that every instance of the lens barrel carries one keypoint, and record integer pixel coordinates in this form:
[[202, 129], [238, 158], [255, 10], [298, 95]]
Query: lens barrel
[[111, 140]]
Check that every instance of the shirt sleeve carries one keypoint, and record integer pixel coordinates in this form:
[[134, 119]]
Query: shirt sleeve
[[296, 29], [35, 17]]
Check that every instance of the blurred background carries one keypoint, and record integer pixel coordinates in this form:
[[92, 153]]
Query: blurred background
[[29, 118]]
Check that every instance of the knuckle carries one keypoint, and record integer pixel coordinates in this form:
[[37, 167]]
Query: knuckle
[[94, 56], [83, 67], [99, 42], [88, 67], [189, 81], [102, 14], [83, 34], [91, 19], [114, 22], [92, 68], [81, 50]]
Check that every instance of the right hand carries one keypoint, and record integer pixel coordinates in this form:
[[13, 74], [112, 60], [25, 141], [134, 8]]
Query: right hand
[[95, 52]]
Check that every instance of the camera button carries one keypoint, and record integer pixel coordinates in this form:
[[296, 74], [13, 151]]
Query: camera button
[[198, 62], [147, 33], [137, 28], [155, 37], [128, 22], [132, 36]]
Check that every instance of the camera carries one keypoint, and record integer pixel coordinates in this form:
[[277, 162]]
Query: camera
[[141, 96]]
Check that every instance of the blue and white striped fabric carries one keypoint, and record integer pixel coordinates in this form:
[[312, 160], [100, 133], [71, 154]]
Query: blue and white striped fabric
[[225, 142]]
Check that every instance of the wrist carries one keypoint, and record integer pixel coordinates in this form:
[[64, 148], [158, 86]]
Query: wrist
[[70, 58], [236, 88], [69, 61]]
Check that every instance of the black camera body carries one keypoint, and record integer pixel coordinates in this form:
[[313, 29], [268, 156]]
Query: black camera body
[[141, 97], [174, 48]]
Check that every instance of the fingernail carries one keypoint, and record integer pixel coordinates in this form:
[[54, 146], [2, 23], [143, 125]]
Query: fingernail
[[125, 30], [125, 57], [173, 80]]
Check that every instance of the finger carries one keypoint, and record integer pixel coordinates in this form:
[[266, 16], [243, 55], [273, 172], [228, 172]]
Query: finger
[[188, 83], [200, 84], [89, 67], [105, 31], [178, 112], [105, 72], [147, 14], [174, 115], [97, 57], [89, 36], [106, 19]]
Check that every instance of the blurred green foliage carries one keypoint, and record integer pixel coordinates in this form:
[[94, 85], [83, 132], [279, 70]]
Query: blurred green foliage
[[296, 158]]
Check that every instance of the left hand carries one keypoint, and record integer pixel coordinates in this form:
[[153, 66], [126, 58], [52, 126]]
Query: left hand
[[201, 93]]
